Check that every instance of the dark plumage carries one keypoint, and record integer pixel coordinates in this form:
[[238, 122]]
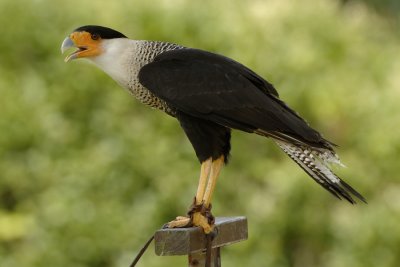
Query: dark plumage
[[213, 94], [100, 31], [215, 88], [209, 94]]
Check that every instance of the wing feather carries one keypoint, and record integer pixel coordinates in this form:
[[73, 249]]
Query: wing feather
[[216, 88]]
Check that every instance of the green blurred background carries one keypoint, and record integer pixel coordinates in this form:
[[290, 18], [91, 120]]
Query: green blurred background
[[87, 173]]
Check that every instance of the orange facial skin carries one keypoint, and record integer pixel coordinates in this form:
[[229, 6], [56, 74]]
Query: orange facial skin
[[88, 45]]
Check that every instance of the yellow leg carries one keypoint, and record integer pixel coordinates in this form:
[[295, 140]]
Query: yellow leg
[[198, 219], [204, 173], [212, 181], [209, 173]]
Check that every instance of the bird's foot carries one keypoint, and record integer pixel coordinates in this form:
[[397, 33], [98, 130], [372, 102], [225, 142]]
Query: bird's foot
[[201, 216], [198, 215], [179, 222]]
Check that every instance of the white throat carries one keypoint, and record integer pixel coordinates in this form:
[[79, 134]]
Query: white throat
[[116, 59]]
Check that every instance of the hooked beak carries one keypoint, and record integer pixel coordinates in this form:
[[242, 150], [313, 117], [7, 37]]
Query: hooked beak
[[88, 47], [69, 43]]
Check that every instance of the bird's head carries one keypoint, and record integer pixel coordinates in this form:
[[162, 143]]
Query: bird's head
[[89, 40]]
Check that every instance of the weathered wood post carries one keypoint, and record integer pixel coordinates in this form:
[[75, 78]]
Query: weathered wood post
[[192, 241]]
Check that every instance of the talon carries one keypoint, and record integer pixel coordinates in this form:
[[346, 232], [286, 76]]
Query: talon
[[180, 222], [201, 216], [200, 220], [180, 218], [214, 233]]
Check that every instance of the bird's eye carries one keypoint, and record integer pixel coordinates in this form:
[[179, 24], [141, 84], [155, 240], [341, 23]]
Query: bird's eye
[[95, 36]]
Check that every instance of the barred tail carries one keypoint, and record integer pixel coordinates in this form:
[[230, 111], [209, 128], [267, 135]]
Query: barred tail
[[315, 164]]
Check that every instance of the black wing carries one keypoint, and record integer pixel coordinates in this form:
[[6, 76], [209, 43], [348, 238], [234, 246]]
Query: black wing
[[215, 88], [218, 89]]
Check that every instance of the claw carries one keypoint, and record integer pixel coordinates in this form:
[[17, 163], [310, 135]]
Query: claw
[[198, 215], [202, 221], [179, 222], [214, 233], [201, 216]]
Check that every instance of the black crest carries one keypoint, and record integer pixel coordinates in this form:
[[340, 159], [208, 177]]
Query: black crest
[[103, 32]]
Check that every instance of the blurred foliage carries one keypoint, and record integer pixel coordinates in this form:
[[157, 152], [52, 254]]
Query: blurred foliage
[[87, 173], [389, 8]]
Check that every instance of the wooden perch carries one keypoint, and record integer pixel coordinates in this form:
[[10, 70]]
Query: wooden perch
[[191, 241]]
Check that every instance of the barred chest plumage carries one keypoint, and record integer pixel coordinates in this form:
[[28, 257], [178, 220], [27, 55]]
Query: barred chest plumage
[[123, 61], [145, 52]]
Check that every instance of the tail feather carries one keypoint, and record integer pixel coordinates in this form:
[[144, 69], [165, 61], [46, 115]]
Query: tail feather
[[353, 191], [315, 164]]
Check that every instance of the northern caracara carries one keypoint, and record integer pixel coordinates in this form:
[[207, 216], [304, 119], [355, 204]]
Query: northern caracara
[[209, 95]]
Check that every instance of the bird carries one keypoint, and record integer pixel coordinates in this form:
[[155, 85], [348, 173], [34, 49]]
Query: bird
[[210, 95]]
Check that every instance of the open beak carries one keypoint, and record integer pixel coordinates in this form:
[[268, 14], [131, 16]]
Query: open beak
[[67, 44], [87, 47]]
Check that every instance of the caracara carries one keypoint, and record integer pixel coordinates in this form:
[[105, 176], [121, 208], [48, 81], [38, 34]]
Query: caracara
[[209, 95]]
